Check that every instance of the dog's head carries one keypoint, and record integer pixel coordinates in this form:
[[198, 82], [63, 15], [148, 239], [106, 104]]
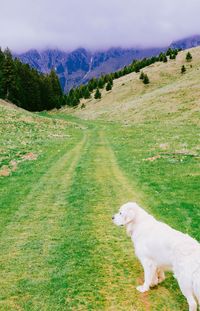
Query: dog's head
[[126, 214]]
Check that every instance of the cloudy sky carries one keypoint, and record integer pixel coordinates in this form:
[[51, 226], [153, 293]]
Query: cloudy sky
[[68, 24]]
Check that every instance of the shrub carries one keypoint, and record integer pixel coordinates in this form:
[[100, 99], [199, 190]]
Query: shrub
[[188, 57], [183, 69], [164, 58], [146, 79], [97, 94], [108, 86], [142, 75]]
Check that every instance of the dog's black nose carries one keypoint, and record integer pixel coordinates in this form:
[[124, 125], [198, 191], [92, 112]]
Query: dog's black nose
[[113, 217]]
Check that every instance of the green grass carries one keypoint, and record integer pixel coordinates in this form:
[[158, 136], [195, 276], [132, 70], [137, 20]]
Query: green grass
[[59, 248]]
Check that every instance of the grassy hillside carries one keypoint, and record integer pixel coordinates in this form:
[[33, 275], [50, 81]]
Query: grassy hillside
[[169, 96], [29, 144], [64, 174]]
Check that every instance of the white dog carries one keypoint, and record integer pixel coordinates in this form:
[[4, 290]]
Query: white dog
[[160, 248]]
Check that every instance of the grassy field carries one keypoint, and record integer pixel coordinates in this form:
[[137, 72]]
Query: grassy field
[[63, 176]]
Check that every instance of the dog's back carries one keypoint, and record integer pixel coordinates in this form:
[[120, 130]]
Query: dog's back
[[158, 246]]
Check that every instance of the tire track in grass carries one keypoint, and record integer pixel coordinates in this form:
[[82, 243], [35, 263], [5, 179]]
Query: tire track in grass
[[121, 269], [88, 271], [77, 272], [33, 234]]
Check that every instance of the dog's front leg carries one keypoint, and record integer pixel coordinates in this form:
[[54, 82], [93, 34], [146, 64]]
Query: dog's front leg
[[149, 273]]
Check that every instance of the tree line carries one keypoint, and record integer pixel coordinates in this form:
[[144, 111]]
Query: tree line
[[26, 87], [106, 81], [34, 91]]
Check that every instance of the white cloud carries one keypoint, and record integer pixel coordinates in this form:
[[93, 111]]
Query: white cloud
[[67, 24]]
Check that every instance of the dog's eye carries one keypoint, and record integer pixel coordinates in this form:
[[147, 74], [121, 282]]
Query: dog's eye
[[120, 213]]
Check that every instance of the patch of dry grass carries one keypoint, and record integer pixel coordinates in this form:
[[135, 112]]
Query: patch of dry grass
[[24, 135], [170, 94]]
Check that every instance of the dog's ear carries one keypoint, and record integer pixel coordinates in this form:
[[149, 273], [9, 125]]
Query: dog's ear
[[130, 215]]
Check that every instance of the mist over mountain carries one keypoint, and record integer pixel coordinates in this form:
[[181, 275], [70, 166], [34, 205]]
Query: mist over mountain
[[186, 43], [79, 66]]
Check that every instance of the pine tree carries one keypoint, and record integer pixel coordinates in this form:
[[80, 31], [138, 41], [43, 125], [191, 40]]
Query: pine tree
[[146, 79], [81, 90], [9, 81], [116, 75], [137, 66], [92, 84], [2, 58], [55, 83], [154, 59], [142, 75], [161, 55], [72, 98], [108, 86], [106, 78], [183, 69], [26, 87], [176, 51], [169, 52], [101, 83], [188, 57], [172, 56], [75, 101], [111, 81], [47, 93], [125, 71], [86, 93], [165, 59], [76, 97], [97, 94]]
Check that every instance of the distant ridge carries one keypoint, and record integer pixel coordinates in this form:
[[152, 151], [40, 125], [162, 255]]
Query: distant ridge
[[79, 66]]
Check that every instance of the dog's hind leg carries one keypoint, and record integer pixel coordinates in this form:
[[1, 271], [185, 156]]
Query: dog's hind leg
[[155, 280], [161, 275], [188, 293], [149, 274], [191, 302], [158, 277]]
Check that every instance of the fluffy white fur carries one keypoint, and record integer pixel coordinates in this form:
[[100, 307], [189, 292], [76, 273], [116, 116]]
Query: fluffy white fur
[[160, 248]]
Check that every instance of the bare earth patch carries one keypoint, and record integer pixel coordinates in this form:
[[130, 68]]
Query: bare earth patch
[[153, 158], [5, 171], [30, 156], [13, 165], [164, 146]]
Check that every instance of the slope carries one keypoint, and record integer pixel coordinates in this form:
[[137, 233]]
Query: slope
[[170, 94], [60, 248]]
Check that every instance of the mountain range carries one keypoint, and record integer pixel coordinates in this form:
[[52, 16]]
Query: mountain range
[[79, 66]]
